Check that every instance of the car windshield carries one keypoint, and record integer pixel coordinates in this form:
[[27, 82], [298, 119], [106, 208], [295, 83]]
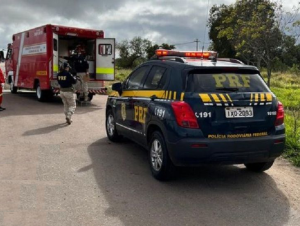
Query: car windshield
[[225, 82]]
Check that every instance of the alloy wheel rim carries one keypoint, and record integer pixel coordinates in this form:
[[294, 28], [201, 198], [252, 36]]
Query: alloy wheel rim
[[156, 155], [110, 125]]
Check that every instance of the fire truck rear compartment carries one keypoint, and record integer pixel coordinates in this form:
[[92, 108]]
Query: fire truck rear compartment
[[67, 51]]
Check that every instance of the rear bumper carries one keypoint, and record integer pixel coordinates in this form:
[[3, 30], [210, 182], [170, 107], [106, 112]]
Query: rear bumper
[[226, 151]]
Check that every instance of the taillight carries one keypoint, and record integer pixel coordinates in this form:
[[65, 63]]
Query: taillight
[[184, 114], [280, 114]]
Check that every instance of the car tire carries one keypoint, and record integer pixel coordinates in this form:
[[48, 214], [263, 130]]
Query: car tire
[[111, 129], [161, 165], [259, 166]]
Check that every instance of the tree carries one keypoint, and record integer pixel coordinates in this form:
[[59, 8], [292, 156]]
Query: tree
[[222, 45], [253, 31], [151, 49], [132, 51]]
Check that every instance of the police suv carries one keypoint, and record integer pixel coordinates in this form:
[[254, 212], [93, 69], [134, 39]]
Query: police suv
[[190, 108]]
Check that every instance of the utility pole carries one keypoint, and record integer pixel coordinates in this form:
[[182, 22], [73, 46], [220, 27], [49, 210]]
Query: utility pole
[[197, 41]]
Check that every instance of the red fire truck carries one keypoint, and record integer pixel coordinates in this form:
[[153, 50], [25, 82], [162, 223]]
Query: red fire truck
[[34, 57]]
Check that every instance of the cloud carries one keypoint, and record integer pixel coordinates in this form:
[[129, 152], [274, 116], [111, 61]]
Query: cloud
[[170, 21]]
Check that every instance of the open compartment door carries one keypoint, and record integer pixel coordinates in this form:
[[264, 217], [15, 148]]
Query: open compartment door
[[105, 59], [55, 56]]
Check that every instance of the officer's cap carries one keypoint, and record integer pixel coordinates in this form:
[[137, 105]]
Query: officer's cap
[[65, 65]]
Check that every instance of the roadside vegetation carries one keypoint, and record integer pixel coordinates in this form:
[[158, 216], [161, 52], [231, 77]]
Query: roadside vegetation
[[286, 87]]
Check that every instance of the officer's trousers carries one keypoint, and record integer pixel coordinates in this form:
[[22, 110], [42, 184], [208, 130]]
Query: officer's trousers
[[69, 100], [84, 84]]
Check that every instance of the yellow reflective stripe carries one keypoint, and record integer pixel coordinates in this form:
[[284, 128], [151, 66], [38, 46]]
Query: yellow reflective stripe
[[174, 96], [166, 96], [170, 95], [269, 96], [256, 97], [55, 68], [228, 97], [223, 98], [105, 70], [143, 93], [216, 98], [251, 97], [262, 97], [205, 98], [182, 96]]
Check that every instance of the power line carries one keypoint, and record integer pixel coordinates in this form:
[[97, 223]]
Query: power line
[[196, 41], [183, 43]]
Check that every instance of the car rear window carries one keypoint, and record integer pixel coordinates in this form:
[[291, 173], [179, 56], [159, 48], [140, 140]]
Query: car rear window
[[225, 82]]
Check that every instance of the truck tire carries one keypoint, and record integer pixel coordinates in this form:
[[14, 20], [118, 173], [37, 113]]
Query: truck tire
[[42, 95], [90, 96], [161, 165], [13, 89], [259, 166], [81, 98]]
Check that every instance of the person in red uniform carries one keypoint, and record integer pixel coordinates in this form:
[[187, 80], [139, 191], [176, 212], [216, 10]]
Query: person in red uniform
[[2, 81]]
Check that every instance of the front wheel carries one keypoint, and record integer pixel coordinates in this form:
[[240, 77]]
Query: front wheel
[[259, 166], [111, 129], [161, 165]]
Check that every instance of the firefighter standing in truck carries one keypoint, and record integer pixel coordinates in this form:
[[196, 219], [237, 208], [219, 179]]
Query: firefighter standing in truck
[[66, 81], [2, 81], [82, 69]]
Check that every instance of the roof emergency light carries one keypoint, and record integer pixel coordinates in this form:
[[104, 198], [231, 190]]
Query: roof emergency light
[[193, 54]]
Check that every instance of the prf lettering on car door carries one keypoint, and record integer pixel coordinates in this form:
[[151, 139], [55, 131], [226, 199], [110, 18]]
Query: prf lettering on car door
[[233, 80], [140, 114]]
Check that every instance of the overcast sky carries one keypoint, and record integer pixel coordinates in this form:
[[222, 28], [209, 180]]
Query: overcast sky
[[169, 21]]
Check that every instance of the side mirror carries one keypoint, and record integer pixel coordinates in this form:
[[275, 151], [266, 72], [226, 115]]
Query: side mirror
[[117, 87]]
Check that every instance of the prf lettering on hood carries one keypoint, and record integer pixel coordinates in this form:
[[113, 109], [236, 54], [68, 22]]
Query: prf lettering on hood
[[236, 136], [232, 80]]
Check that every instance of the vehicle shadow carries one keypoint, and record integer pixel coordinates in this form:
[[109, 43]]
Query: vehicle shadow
[[207, 195], [25, 103]]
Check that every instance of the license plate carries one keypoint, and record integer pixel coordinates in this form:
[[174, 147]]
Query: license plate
[[239, 112]]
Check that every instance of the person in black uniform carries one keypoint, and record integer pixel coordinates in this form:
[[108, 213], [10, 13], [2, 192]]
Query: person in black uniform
[[66, 81], [82, 69]]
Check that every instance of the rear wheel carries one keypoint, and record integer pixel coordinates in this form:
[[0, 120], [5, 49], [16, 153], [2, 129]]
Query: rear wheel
[[42, 95], [90, 96], [13, 89], [259, 166], [161, 165], [111, 129]]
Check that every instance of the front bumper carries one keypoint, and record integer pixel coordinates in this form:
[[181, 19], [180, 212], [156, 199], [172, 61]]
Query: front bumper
[[225, 151]]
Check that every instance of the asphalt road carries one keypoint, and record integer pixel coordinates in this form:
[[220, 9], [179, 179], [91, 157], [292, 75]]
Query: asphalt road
[[54, 174]]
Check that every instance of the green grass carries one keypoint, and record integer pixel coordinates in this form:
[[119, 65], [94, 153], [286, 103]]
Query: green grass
[[121, 75], [286, 87]]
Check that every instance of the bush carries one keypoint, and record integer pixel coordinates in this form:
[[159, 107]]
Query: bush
[[294, 70]]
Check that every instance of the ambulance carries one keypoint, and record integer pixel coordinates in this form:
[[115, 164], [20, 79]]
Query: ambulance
[[34, 57]]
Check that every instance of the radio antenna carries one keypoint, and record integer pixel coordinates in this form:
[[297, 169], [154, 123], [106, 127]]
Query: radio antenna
[[204, 36]]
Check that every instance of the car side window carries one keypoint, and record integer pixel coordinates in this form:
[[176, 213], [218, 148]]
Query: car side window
[[136, 78], [156, 79]]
